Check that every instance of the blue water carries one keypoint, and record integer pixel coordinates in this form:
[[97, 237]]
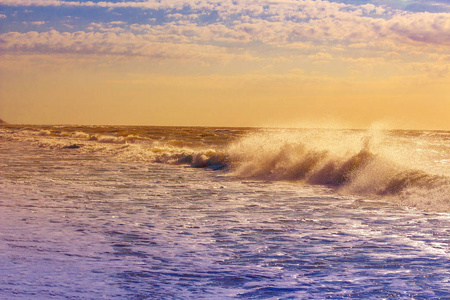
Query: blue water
[[93, 223]]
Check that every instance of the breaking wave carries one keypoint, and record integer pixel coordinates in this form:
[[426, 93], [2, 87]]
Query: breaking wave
[[352, 162]]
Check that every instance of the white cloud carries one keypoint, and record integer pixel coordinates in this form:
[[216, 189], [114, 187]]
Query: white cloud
[[117, 23], [149, 4], [282, 24], [30, 2], [108, 43], [426, 28], [38, 23]]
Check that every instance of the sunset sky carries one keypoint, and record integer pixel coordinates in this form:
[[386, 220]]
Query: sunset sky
[[226, 63]]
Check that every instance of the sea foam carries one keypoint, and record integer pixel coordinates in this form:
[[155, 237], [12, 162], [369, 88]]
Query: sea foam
[[406, 167], [356, 163]]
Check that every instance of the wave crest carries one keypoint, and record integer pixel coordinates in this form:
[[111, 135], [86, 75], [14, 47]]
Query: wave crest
[[406, 166], [354, 166]]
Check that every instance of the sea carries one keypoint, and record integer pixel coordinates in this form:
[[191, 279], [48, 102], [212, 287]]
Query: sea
[[140, 212]]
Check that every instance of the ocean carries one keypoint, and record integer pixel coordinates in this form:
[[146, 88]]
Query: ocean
[[139, 212]]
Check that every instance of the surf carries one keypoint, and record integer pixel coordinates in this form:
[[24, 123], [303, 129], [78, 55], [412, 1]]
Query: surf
[[352, 162], [409, 168]]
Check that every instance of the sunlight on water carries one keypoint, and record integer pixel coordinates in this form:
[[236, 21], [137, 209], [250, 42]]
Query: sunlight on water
[[119, 213]]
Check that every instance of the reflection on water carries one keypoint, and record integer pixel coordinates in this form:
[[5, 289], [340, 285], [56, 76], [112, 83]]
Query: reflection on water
[[105, 221]]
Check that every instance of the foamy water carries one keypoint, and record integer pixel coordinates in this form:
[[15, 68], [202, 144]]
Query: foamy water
[[223, 213]]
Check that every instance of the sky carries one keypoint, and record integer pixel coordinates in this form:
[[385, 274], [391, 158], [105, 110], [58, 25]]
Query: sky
[[301, 63]]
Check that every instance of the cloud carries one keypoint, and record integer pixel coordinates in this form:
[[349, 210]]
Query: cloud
[[109, 43], [320, 57], [107, 27], [237, 26], [31, 2], [424, 28], [432, 69], [149, 4], [226, 8], [2, 16], [429, 5], [38, 23]]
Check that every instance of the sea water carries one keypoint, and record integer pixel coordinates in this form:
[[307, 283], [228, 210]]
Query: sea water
[[115, 212]]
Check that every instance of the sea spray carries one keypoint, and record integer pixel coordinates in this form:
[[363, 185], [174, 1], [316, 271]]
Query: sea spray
[[355, 163], [407, 167]]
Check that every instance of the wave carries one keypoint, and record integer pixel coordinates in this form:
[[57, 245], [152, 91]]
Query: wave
[[352, 162], [130, 147]]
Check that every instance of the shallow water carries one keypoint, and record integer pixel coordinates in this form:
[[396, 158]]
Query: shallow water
[[122, 219]]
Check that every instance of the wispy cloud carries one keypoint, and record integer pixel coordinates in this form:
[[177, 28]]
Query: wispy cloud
[[38, 23], [225, 31], [109, 43], [334, 54]]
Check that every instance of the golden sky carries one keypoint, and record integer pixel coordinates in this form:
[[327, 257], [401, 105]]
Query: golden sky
[[226, 63]]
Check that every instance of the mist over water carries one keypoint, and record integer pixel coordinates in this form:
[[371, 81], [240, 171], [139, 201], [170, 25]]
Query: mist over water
[[121, 212]]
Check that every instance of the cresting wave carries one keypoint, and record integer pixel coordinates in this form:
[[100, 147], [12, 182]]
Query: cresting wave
[[354, 162], [350, 164]]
